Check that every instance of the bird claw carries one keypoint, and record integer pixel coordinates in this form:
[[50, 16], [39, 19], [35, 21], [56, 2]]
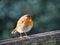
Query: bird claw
[[20, 37], [25, 36]]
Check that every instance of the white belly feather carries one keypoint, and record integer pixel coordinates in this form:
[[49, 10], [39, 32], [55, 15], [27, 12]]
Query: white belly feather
[[23, 28]]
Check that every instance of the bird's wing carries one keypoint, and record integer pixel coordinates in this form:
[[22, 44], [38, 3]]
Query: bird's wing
[[21, 21]]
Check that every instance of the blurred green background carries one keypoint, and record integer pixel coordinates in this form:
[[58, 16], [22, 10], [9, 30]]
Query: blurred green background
[[45, 14]]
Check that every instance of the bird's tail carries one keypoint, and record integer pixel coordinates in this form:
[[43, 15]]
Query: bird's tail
[[14, 31]]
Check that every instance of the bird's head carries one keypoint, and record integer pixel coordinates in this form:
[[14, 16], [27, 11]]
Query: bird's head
[[27, 16], [28, 20]]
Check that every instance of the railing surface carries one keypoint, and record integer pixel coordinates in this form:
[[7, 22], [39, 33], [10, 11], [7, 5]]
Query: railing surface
[[47, 38]]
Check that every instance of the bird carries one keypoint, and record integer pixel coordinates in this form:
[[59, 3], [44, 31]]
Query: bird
[[24, 24]]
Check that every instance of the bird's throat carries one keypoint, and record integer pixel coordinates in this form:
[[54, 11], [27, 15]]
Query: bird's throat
[[28, 22]]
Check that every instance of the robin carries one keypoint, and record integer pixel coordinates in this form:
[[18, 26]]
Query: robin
[[24, 25]]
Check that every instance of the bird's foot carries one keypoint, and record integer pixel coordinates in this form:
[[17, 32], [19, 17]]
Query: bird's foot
[[26, 36], [20, 37]]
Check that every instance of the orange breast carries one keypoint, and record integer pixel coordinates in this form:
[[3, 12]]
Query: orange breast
[[28, 22]]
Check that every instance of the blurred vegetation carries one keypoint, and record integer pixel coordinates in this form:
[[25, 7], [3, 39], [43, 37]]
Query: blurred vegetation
[[45, 14]]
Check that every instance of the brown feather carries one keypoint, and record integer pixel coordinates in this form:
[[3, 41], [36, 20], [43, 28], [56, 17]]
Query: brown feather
[[14, 31]]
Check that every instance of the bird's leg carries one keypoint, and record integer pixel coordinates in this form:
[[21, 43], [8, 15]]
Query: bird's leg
[[25, 34], [21, 35]]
